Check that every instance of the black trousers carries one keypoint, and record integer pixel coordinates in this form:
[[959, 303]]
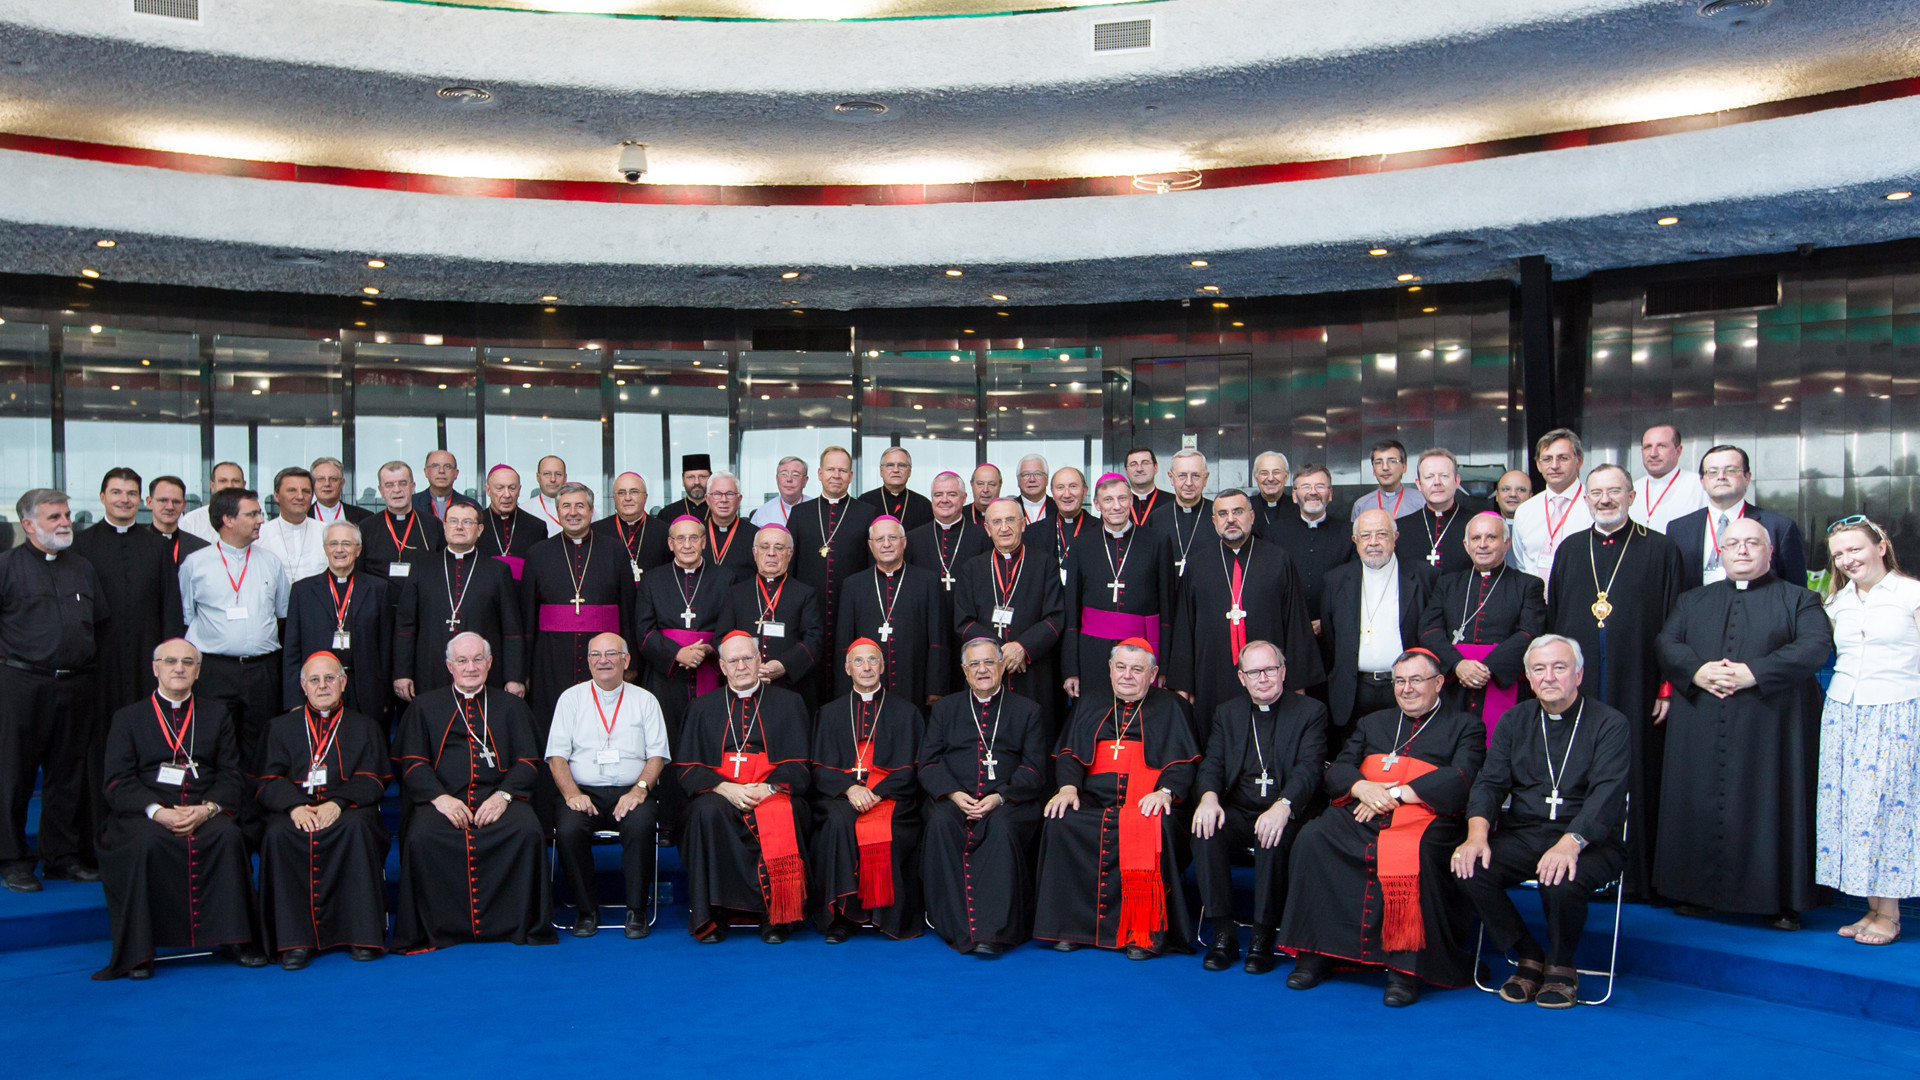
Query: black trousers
[[573, 840], [1516, 856], [1368, 697], [43, 731], [1213, 866], [250, 689]]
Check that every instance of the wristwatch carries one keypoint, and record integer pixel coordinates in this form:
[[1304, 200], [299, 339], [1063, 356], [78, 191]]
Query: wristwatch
[[1579, 840], [642, 785], [504, 795], [1396, 792]]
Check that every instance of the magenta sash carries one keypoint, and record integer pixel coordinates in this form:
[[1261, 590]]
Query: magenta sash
[[707, 676], [515, 564], [1119, 626], [593, 619], [1499, 698]]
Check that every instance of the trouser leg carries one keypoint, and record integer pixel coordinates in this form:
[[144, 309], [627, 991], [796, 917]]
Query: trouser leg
[[24, 732], [1566, 904], [1513, 861], [63, 783]]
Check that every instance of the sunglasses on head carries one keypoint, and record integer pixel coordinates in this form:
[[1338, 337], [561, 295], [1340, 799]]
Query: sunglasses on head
[[1860, 520]]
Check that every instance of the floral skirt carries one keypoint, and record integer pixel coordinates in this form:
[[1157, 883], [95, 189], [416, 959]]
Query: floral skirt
[[1868, 832]]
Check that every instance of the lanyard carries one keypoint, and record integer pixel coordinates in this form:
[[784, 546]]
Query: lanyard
[[604, 722], [229, 570], [1713, 532], [542, 500], [1060, 534], [1003, 588], [400, 539], [720, 550], [1553, 530], [1380, 500], [639, 537], [175, 740], [339, 511], [318, 744], [1654, 506], [1140, 516], [340, 606], [771, 603]]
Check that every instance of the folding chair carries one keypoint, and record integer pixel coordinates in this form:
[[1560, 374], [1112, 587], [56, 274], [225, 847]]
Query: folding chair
[[602, 837], [1619, 887]]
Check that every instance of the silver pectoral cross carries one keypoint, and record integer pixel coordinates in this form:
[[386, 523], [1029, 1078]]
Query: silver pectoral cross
[[1265, 782], [486, 755], [1180, 567], [1115, 587], [859, 770], [192, 767], [990, 761], [1433, 557], [1459, 634], [1554, 802], [1390, 761], [312, 783], [1235, 615], [453, 623], [577, 601], [738, 760], [886, 631], [946, 580], [687, 617]]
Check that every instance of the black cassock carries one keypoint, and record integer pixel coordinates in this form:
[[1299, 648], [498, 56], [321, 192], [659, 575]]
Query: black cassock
[[1028, 585], [1623, 658], [1334, 900], [1737, 799], [164, 890], [721, 846], [1087, 891], [944, 550], [482, 591], [1096, 622], [979, 874], [901, 612], [484, 883], [659, 622], [683, 507], [841, 529], [1055, 535], [558, 657], [1436, 544], [1505, 609], [1256, 757], [645, 540], [1316, 549], [847, 876], [312, 619], [509, 539], [1190, 527], [180, 544], [139, 579], [1203, 658], [1265, 514], [910, 507], [732, 548], [760, 606], [322, 889], [386, 540]]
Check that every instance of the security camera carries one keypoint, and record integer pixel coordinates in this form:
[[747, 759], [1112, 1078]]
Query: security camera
[[633, 161]]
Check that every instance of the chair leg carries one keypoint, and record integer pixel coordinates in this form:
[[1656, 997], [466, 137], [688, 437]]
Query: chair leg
[[1613, 955]]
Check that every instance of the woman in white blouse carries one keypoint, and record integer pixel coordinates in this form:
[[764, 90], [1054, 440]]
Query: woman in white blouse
[[1868, 832]]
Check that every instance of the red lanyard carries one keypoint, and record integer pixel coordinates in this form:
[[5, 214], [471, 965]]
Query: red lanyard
[[772, 602], [229, 570], [1655, 504], [174, 740], [1714, 533], [320, 741], [1079, 520], [720, 550], [1140, 516], [604, 722], [1236, 585], [400, 541], [632, 545], [542, 498], [1380, 501], [340, 606], [1003, 588], [1552, 529]]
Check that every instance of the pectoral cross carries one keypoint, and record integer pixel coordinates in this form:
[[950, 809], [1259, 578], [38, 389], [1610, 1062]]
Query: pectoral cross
[[486, 755], [1265, 782], [577, 601], [738, 760], [192, 767], [1459, 634], [310, 783], [886, 631], [1115, 587], [1390, 761], [859, 769], [1433, 557], [1554, 802], [1235, 615], [946, 580], [687, 617], [990, 761], [1116, 749], [453, 623], [1180, 567]]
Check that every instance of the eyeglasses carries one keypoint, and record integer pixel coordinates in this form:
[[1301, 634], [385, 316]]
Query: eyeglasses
[[606, 654], [178, 661], [329, 679], [980, 665], [1750, 544], [1412, 682], [1263, 672]]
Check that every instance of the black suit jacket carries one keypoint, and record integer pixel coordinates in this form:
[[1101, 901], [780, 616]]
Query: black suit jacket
[[1689, 531], [310, 626], [1340, 629]]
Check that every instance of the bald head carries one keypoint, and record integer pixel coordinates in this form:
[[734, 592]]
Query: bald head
[[1746, 550], [986, 485], [323, 681]]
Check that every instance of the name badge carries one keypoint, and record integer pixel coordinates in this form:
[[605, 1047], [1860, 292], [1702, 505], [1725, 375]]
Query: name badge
[[235, 614], [172, 775], [317, 776], [399, 569], [343, 639], [1002, 616], [773, 629], [608, 756]]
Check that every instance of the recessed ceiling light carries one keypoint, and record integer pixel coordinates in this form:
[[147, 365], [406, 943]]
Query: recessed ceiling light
[[1413, 288], [955, 359], [116, 386], [443, 386], [359, 322], [526, 386], [370, 290], [1209, 288], [797, 311], [954, 273], [966, 331], [549, 299], [1896, 196], [551, 310], [1238, 323], [1668, 221], [1198, 263], [111, 243], [1219, 304], [1408, 277], [1001, 314], [918, 407], [1428, 310], [376, 264], [790, 275], [1064, 358], [1378, 251], [90, 273], [464, 95], [766, 397], [366, 303], [95, 328], [997, 296]]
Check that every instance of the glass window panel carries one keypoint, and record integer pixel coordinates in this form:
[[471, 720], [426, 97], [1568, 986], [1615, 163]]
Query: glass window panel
[[547, 401], [402, 397], [132, 398], [795, 403], [689, 385], [924, 402], [280, 398], [26, 419], [1045, 401]]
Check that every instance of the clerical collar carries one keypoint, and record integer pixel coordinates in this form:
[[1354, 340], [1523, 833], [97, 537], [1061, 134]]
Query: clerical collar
[[950, 524], [51, 555], [475, 694], [578, 539], [1313, 522], [342, 578], [1263, 708], [771, 580], [866, 695], [1007, 554], [831, 501], [459, 554], [121, 529], [1386, 568], [230, 547], [886, 571], [1272, 504], [1034, 504], [984, 701], [1561, 715], [1604, 531], [1243, 545], [1441, 513], [745, 694], [399, 513], [1183, 507], [1742, 585], [694, 569], [164, 532], [610, 693], [1125, 528], [181, 704]]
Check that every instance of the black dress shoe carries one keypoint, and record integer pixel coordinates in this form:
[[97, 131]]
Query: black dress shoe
[[1402, 990], [838, 931], [247, 956], [144, 971], [1260, 956], [72, 870], [1786, 920], [1064, 946], [714, 936], [637, 927], [1136, 952], [586, 924], [295, 959], [364, 954], [1309, 971], [1222, 955], [20, 881], [986, 950], [774, 933]]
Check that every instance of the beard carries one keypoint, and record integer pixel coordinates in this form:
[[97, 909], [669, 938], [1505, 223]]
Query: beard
[[51, 541]]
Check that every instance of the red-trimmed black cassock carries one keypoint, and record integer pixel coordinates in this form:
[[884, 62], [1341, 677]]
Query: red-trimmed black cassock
[[910, 507], [458, 594], [732, 548], [1640, 571], [164, 890], [1256, 756], [865, 867], [509, 539], [1055, 535], [319, 608], [1436, 543], [1108, 874], [320, 890], [662, 627], [1016, 597], [1381, 892], [645, 540], [978, 874], [386, 540], [1489, 616], [943, 549], [482, 883], [1189, 527], [784, 615], [560, 627], [901, 612], [1141, 561], [752, 862], [1227, 599], [829, 546]]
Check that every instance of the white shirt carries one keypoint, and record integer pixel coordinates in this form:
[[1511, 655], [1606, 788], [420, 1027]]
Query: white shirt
[[298, 547], [1034, 511], [544, 509], [775, 510], [1711, 569], [328, 515], [1658, 502], [1380, 616], [197, 523], [1542, 524], [227, 621], [1877, 643], [578, 734], [1405, 504]]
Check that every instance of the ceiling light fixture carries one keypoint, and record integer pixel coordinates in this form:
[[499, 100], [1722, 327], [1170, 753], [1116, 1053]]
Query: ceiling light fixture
[[1668, 221], [467, 96], [1165, 182], [954, 273], [1408, 277], [1210, 288], [90, 273], [1200, 264], [1428, 310], [550, 310], [1413, 288], [1378, 251], [1218, 304], [112, 243], [1238, 323], [549, 299], [95, 328], [1896, 196], [370, 290], [789, 275], [376, 264], [997, 296]]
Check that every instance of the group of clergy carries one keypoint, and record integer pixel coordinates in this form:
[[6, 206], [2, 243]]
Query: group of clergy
[[1111, 642]]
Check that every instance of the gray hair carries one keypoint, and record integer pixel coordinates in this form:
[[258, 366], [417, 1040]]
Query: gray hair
[[574, 487], [1152, 660], [358, 536], [1188, 452], [393, 466], [333, 461], [722, 475], [987, 641], [1285, 465], [463, 635], [790, 459], [30, 503], [1031, 457], [1579, 658]]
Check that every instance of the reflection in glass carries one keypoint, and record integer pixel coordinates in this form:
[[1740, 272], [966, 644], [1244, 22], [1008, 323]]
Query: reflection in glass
[[279, 400], [132, 398], [26, 419], [688, 385], [924, 403], [547, 401], [404, 396], [791, 403], [1047, 402]]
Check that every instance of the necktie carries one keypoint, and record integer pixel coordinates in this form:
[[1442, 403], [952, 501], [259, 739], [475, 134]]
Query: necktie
[[1713, 557]]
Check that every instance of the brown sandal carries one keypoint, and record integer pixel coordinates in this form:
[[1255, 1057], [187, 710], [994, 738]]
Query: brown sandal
[[1562, 989], [1523, 985]]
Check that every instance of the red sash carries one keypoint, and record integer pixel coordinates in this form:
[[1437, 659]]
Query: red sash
[[1402, 926], [707, 676], [784, 886], [874, 830], [1499, 698], [1143, 896]]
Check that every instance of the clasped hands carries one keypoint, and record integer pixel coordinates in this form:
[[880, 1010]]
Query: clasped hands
[[1724, 678]]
